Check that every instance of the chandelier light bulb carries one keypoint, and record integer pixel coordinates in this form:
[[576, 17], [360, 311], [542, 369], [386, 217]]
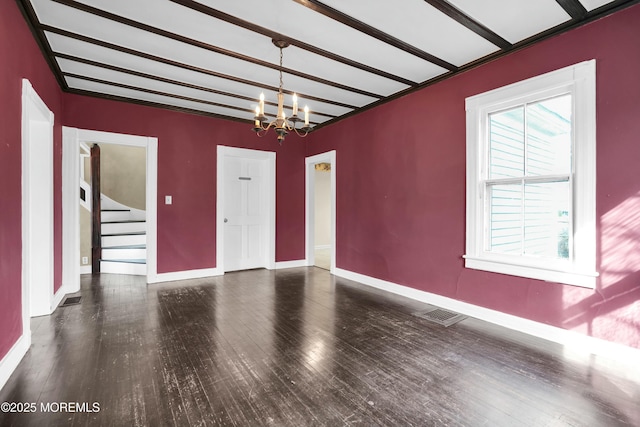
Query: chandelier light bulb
[[295, 105], [261, 104]]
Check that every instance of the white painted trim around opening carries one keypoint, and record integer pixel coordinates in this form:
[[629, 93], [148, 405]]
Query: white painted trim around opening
[[310, 162], [578, 346], [579, 80], [35, 114], [34, 111], [270, 157], [72, 138]]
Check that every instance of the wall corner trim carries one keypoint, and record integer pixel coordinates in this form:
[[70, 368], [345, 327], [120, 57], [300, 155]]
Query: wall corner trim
[[576, 345], [12, 359], [58, 297]]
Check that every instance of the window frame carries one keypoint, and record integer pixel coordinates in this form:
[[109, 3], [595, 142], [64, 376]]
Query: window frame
[[579, 80]]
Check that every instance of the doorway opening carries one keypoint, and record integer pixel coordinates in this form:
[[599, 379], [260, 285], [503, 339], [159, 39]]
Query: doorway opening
[[320, 241], [75, 142]]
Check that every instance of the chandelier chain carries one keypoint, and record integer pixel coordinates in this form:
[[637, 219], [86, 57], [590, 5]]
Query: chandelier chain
[[281, 70]]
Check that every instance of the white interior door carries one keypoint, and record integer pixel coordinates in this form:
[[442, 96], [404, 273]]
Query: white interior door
[[247, 211]]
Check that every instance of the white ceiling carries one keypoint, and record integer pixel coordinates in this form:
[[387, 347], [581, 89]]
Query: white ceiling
[[216, 57]]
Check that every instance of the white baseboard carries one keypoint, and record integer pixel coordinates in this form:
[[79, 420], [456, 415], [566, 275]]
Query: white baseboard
[[85, 269], [10, 362], [184, 275], [580, 345], [323, 247], [291, 264]]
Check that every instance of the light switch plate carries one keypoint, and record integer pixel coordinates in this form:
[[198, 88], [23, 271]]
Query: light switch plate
[[168, 200]]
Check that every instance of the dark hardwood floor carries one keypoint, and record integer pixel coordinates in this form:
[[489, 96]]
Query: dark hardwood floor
[[295, 347]]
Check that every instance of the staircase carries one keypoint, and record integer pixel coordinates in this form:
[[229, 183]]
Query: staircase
[[124, 239]]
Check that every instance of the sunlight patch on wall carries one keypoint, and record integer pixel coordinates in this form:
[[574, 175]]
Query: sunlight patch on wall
[[620, 324], [621, 241]]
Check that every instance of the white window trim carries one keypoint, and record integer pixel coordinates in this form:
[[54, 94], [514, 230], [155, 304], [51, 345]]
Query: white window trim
[[580, 270]]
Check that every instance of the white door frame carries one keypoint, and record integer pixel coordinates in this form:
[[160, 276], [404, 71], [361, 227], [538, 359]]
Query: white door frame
[[310, 182], [38, 298], [270, 157], [71, 139]]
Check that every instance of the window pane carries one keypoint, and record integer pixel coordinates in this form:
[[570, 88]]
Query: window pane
[[505, 219], [506, 144], [549, 136], [546, 213]]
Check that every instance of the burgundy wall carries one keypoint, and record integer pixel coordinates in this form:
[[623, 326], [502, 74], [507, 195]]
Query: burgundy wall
[[187, 146], [401, 174], [20, 58], [401, 187]]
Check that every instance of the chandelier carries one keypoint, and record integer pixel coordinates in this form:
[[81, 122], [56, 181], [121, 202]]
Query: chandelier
[[282, 125]]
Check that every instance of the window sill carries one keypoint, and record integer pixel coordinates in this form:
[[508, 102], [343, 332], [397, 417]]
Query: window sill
[[583, 279]]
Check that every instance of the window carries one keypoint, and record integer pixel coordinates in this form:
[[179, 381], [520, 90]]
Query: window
[[531, 178]]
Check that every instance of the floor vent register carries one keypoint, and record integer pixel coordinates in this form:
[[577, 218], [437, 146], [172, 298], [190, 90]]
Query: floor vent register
[[70, 301], [441, 317]]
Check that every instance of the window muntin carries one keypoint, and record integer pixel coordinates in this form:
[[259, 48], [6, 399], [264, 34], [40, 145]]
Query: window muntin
[[528, 188]]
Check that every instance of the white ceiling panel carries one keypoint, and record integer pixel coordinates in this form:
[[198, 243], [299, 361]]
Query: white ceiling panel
[[515, 20], [217, 56], [197, 57], [73, 67], [421, 25], [594, 4], [133, 94], [160, 99], [304, 24], [302, 60], [200, 27]]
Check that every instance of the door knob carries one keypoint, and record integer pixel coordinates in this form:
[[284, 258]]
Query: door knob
[[226, 220]]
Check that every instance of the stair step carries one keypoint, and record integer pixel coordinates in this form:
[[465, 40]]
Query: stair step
[[121, 227], [126, 261], [127, 239], [127, 233], [142, 246], [115, 215], [133, 267], [122, 254]]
